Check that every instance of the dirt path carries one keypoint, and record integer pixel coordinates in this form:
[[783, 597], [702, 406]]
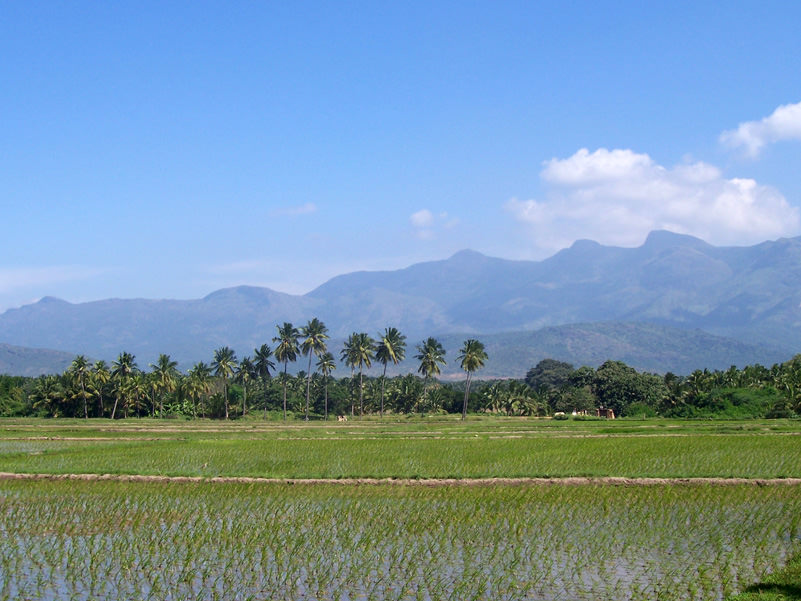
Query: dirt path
[[567, 481]]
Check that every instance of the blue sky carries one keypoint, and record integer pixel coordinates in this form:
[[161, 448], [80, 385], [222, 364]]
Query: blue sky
[[165, 150]]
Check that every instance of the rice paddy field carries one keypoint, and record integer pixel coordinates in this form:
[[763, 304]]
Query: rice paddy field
[[488, 509]]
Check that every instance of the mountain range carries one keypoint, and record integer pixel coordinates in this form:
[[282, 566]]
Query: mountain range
[[729, 305], [23, 361]]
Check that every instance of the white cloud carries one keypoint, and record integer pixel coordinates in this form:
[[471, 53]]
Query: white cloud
[[304, 209], [783, 124], [602, 165], [618, 196], [422, 218], [427, 225], [424, 223]]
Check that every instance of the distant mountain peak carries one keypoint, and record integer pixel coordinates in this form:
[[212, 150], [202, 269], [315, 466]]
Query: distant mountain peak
[[247, 292], [52, 300], [584, 243], [467, 255], [664, 239]]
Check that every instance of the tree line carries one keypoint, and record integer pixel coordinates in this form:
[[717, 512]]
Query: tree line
[[754, 391], [261, 384], [227, 385]]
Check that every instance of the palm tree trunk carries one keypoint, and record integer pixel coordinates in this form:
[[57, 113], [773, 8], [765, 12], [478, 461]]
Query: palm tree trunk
[[285, 363], [352, 396], [244, 398], [425, 394], [466, 396], [85, 408], [361, 395], [383, 382], [225, 395], [116, 400], [326, 398], [264, 387], [308, 386]]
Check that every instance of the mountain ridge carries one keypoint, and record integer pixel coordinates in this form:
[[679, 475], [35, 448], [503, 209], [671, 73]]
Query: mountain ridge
[[749, 295], [24, 361]]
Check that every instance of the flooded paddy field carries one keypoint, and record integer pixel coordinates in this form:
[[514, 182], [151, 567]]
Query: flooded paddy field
[[629, 511]]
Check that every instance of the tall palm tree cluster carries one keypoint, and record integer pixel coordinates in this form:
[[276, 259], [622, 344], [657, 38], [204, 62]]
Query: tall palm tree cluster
[[206, 389], [227, 386]]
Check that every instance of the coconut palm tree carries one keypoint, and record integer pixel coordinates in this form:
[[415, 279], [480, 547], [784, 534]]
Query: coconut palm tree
[[198, 383], [245, 374], [223, 367], [471, 358], [391, 347], [163, 379], [326, 364], [121, 371], [79, 371], [99, 379], [359, 352], [287, 350], [430, 353], [48, 394], [262, 365], [135, 393], [348, 356], [314, 336], [520, 399]]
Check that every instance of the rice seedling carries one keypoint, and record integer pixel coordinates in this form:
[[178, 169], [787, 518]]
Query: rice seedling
[[212, 540], [746, 455], [88, 540]]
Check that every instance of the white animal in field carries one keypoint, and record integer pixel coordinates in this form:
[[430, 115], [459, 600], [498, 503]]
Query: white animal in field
[[342, 418]]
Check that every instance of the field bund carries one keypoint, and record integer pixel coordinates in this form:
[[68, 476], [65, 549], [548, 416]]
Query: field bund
[[490, 509]]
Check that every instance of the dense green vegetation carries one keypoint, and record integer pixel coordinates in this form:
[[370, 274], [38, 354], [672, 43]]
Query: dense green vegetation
[[232, 388]]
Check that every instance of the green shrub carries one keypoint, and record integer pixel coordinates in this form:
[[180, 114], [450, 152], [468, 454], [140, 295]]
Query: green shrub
[[731, 403], [639, 410]]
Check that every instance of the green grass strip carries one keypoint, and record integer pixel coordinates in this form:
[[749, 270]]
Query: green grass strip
[[784, 585]]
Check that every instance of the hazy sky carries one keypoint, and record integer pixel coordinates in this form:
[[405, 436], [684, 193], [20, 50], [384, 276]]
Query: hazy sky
[[168, 149]]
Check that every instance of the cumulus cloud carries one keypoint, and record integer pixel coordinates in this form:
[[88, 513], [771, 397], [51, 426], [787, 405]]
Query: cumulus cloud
[[618, 196], [422, 218], [426, 224], [752, 136], [304, 209]]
